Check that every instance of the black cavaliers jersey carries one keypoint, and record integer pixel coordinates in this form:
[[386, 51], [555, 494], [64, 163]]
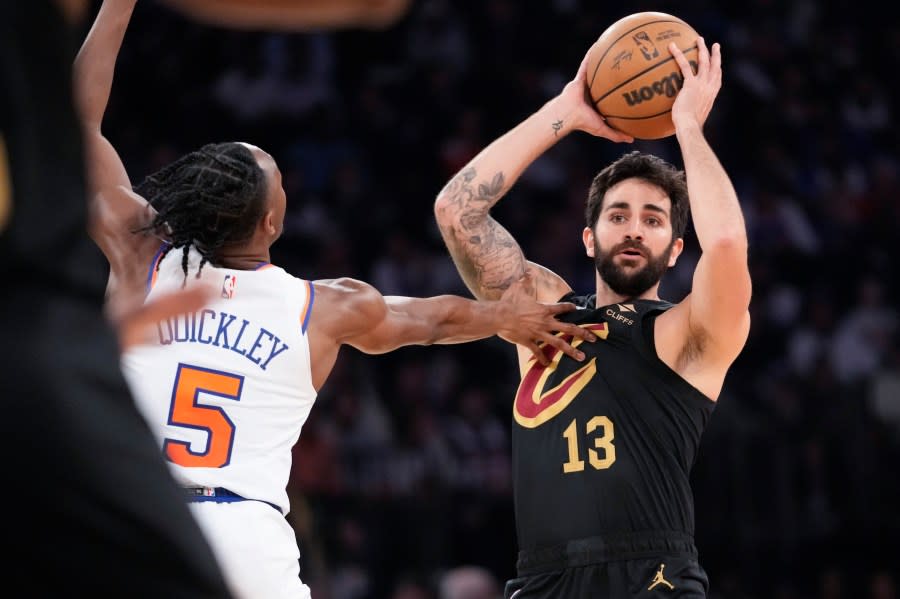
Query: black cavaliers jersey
[[605, 446]]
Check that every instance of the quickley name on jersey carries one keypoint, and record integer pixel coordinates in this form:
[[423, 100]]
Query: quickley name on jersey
[[229, 332]]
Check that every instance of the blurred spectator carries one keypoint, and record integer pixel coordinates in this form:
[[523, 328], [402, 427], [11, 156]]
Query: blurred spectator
[[469, 582], [864, 334]]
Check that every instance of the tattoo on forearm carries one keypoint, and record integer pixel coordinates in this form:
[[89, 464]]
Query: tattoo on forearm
[[487, 256], [557, 127]]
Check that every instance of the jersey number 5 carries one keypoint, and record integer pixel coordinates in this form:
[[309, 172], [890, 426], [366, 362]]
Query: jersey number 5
[[187, 411], [603, 442]]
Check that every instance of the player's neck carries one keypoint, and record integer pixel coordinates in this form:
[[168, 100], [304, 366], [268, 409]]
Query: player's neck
[[606, 296], [245, 257]]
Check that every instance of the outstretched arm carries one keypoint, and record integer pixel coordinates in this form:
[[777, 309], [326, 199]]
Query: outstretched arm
[[361, 317], [714, 319], [486, 255]]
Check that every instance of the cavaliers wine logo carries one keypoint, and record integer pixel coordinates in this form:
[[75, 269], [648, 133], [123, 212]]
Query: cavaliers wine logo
[[534, 406]]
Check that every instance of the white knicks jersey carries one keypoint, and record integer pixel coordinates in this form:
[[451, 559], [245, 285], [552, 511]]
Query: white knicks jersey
[[227, 389]]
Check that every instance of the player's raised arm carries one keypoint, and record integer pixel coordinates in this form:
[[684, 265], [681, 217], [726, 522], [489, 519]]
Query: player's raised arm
[[717, 317], [294, 15], [93, 73], [486, 255], [361, 317], [116, 212]]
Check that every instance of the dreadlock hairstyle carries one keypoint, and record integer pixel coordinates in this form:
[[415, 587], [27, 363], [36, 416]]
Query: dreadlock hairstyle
[[210, 198], [651, 169]]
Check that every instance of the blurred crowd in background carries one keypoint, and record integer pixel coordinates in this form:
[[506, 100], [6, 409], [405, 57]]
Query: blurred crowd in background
[[402, 474]]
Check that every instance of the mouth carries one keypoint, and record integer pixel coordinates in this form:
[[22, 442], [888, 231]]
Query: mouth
[[631, 253]]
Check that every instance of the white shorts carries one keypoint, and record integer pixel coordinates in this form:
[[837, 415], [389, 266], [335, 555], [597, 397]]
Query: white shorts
[[255, 546]]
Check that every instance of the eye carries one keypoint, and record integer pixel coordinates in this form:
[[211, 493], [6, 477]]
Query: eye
[[653, 221], [617, 218]]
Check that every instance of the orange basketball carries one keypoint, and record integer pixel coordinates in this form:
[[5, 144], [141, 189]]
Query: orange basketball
[[633, 78]]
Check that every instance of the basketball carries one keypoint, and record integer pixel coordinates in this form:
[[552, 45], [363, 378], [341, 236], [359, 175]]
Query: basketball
[[633, 78]]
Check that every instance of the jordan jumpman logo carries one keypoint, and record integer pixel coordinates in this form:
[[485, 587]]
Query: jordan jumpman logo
[[660, 579]]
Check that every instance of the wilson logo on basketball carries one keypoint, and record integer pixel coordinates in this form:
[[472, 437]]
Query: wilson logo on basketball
[[668, 86], [534, 406]]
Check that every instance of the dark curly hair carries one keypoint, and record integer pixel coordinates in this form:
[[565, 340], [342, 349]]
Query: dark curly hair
[[651, 169], [210, 198]]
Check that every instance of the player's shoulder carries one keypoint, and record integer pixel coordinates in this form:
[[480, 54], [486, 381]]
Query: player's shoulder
[[346, 293], [344, 306], [343, 287]]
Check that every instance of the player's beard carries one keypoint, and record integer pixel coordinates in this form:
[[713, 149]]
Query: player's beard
[[635, 283]]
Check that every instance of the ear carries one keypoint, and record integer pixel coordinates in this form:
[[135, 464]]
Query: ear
[[677, 248], [587, 237], [268, 223]]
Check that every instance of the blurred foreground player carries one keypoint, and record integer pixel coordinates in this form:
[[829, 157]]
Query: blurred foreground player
[[94, 507]]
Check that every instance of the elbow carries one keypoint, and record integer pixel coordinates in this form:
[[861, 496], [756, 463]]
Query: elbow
[[453, 213], [447, 216], [444, 213], [729, 246]]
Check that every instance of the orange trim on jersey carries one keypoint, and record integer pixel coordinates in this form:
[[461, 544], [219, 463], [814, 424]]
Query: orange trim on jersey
[[154, 264], [5, 186], [307, 307]]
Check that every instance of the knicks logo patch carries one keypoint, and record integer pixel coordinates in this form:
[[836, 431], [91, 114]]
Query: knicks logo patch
[[534, 406]]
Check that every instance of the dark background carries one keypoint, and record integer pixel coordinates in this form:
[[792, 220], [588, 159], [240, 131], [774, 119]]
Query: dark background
[[402, 471]]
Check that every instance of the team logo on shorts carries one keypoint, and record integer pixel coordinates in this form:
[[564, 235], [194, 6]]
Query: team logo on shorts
[[659, 579], [228, 286]]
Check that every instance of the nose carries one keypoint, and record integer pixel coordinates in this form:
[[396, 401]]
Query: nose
[[635, 232]]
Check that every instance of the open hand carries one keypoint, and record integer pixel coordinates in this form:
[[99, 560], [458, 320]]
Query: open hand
[[585, 117], [533, 324], [698, 92], [137, 325]]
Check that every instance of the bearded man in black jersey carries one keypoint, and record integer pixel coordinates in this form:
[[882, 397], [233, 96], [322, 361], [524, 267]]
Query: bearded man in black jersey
[[602, 449]]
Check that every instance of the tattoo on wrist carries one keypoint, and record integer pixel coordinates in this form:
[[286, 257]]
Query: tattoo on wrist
[[557, 127]]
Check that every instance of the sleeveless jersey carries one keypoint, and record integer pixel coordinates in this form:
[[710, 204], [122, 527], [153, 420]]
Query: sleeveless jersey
[[604, 447], [227, 389]]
